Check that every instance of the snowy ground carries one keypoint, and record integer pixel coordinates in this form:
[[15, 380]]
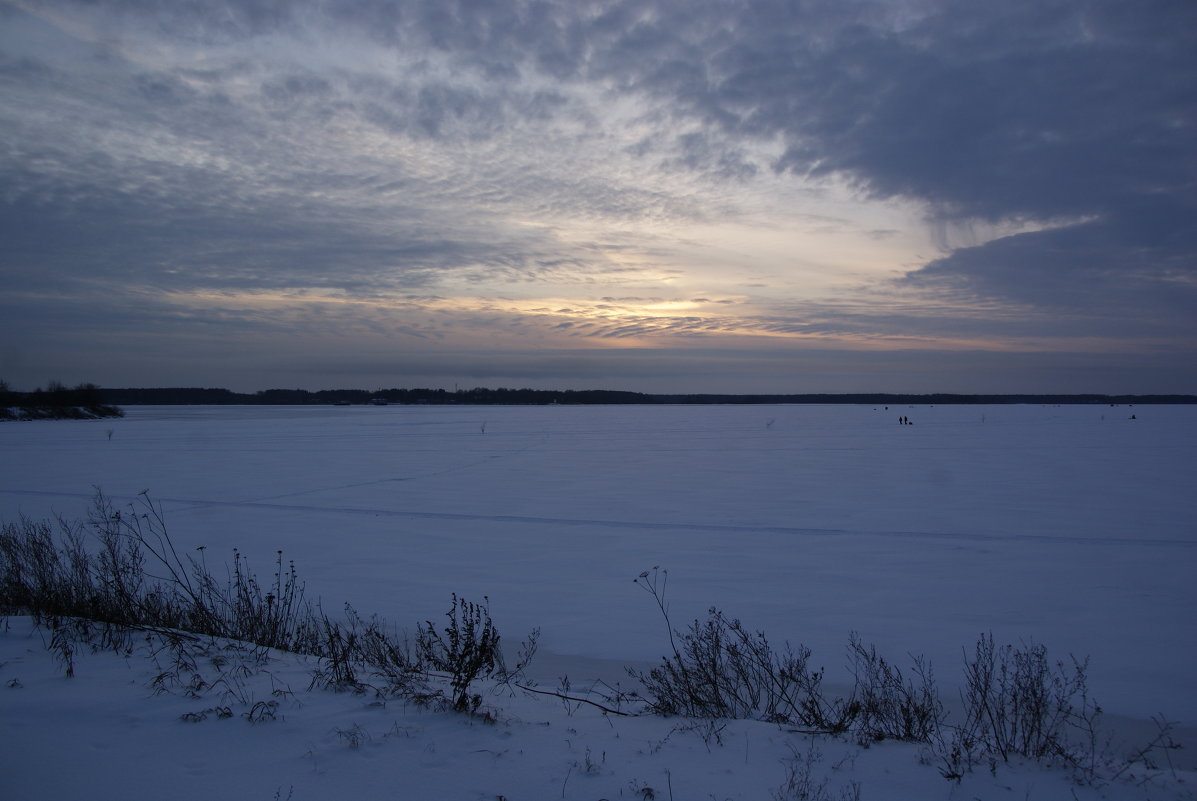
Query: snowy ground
[[1070, 526]]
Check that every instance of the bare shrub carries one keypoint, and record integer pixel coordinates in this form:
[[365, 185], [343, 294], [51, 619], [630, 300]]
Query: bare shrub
[[121, 572], [886, 704], [466, 648], [1018, 702], [720, 669]]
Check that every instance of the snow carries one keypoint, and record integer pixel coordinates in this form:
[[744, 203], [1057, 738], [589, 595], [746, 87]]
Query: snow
[[1071, 526]]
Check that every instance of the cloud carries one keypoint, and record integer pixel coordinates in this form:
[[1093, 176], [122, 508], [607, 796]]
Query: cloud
[[1044, 110], [1131, 275], [520, 155], [1040, 114], [187, 165]]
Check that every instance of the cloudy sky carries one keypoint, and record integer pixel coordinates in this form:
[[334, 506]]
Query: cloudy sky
[[676, 196]]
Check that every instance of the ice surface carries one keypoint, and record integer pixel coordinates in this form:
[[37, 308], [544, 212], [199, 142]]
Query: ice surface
[[1071, 526]]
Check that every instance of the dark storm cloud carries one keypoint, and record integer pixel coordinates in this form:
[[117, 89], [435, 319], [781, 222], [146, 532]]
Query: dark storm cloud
[[989, 110], [1129, 274], [1052, 113], [1078, 114], [1058, 113]]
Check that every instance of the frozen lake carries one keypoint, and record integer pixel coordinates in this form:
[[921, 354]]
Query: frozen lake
[[1072, 526]]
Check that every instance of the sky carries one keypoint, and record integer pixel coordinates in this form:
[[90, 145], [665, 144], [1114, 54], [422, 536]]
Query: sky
[[673, 196]]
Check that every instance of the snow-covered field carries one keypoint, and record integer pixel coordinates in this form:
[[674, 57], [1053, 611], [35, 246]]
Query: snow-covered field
[[1071, 526]]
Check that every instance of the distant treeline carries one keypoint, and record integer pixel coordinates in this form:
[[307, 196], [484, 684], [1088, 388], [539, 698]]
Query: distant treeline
[[543, 397], [56, 401]]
